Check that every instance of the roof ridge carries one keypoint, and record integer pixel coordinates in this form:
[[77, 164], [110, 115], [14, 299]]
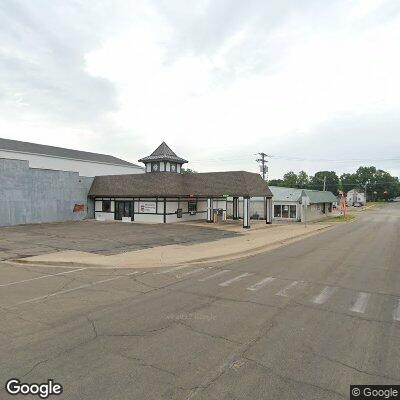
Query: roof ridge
[[61, 152]]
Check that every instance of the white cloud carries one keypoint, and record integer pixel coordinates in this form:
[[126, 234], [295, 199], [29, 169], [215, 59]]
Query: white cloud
[[218, 81]]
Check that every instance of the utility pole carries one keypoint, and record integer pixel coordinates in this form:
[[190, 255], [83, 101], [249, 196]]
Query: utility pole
[[324, 183], [263, 161]]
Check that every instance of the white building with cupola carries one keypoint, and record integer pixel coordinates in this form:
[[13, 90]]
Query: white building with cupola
[[164, 194]]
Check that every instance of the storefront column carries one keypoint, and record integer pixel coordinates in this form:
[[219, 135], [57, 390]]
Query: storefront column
[[268, 210], [246, 212], [165, 210], [209, 210], [236, 208]]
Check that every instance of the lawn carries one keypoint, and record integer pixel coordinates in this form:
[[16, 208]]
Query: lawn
[[341, 218]]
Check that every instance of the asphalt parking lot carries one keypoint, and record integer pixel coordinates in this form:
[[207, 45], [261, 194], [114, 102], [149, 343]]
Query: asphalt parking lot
[[99, 237], [302, 321]]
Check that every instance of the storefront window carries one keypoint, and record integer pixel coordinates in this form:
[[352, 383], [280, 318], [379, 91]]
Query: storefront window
[[106, 206], [285, 211], [277, 211], [292, 211]]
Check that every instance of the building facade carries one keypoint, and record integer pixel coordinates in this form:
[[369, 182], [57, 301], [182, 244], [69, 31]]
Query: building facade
[[356, 197], [61, 159], [48, 184], [288, 204], [164, 195]]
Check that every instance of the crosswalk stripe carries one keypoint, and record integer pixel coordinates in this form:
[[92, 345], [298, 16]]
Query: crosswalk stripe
[[396, 312], [236, 278], [324, 295], [283, 292], [361, 303], [261, 284], [219, 273]]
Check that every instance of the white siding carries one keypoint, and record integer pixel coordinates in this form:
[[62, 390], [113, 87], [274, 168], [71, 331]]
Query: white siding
[[84, 168]]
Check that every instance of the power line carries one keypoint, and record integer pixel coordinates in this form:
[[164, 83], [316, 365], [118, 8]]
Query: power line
[[294, 158]]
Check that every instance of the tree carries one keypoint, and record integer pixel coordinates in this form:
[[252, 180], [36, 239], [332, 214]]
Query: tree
[[379, 184], [186, 171], [290, 179], [332, 181], [276, 182], [303, 180]]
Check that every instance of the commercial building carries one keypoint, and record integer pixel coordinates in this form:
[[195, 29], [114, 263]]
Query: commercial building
[[60, 159], [164, 195], [288, 204], [46, 184]]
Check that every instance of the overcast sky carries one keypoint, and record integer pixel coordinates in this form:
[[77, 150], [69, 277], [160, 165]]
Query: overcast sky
[[314, 83]]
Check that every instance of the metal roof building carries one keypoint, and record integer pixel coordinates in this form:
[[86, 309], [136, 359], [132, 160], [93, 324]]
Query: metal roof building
[[62, 159]]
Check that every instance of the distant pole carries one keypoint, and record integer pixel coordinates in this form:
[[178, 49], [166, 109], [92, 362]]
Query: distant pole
[[263, 162], [365, 192], [324, 183]]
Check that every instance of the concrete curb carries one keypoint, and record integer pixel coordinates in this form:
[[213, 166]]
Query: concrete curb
[[195, 261]]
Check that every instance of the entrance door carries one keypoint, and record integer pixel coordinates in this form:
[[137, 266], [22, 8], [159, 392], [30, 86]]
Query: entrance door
[[123, 209]]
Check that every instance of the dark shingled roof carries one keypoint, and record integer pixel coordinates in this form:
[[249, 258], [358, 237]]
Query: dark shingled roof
[[161, 153], [167, 184], [34, 148]]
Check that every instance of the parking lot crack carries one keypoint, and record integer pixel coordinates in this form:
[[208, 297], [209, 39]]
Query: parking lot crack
[[361, 371], [206, 333], [136, 334], [34, 367], [143, 363], [293, 380]]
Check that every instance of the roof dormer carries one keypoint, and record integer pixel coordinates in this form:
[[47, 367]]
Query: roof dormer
[[163, 159]]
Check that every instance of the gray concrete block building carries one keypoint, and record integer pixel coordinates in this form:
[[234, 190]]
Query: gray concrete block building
[[41, 183]]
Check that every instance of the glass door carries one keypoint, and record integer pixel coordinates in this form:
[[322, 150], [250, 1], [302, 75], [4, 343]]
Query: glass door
[[123, 209]]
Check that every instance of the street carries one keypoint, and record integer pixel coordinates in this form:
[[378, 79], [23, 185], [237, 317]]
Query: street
[[304, 321]]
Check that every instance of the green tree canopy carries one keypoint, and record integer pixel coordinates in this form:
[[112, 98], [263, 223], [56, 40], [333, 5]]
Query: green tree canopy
[[379, 184], [332, 181]]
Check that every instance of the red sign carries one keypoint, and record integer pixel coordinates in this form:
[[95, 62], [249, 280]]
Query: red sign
[[79, 207]]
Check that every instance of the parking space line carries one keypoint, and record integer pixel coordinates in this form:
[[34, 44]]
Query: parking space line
[[324, 295], [219, 273], [72, 289], [41, 277], [261, 284], [192, 272], [396, 313], [171, 269], [283, 292], [235, 279], [361, 303]]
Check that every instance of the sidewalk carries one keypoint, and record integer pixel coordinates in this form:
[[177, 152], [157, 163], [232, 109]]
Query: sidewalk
[[250, 243]]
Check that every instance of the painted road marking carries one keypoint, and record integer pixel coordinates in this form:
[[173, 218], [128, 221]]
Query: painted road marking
[[41, 277], [324, 295], [224, 271], [283, 292], [261, 284], [72, 289], [396, 313], [171, 270], [361, 303], [193, 271], [235, 279]]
